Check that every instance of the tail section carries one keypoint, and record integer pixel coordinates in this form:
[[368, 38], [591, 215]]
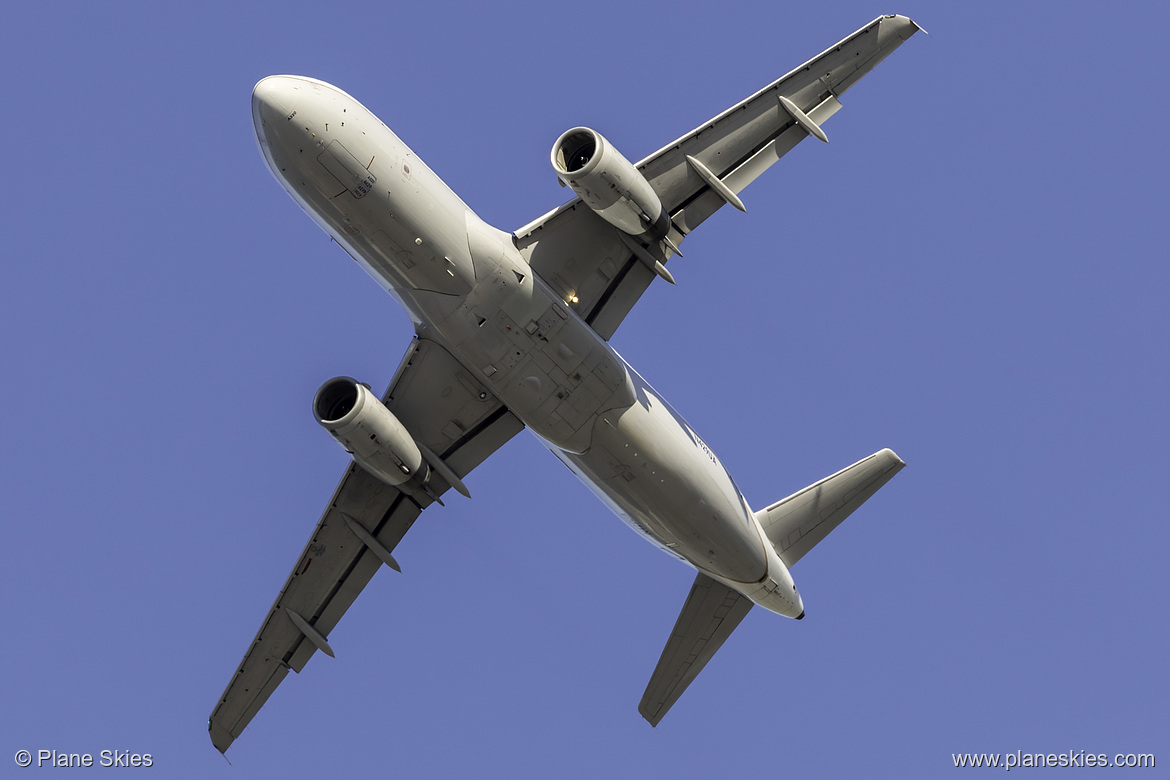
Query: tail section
[[713, 609], [710, 614], [799, 522]]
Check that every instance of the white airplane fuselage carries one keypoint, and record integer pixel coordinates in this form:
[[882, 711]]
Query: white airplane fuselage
[[466, 286]]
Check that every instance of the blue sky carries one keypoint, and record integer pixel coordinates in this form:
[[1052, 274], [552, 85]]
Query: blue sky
[[973, 272]]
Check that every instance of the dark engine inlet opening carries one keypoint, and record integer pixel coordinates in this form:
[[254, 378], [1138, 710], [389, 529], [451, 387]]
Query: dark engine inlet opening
[[335, 400], [576, 151]]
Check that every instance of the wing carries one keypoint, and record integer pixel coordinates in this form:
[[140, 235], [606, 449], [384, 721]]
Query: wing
[[710, 614], [445, 409], [581, 255]]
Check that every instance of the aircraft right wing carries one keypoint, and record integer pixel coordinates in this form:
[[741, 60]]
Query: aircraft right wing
[[446, 410], [582, 256]]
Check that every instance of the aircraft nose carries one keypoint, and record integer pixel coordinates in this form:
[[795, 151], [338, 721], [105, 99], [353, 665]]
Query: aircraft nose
[[270, 98]]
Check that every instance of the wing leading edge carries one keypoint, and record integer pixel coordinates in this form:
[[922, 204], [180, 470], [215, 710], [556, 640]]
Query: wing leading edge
[[582, 256], [446, 410]]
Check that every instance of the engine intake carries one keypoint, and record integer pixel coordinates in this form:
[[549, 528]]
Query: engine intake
[[367, 430], [608, 183]]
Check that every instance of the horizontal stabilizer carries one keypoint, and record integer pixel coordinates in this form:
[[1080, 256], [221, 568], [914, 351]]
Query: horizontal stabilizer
[[710, 614], [799, 522]]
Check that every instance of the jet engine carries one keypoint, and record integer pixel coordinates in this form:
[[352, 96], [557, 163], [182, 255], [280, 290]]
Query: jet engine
[[367, 430], [609, 184]]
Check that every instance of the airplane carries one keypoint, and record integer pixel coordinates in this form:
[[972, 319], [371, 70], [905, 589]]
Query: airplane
[[512, 331]]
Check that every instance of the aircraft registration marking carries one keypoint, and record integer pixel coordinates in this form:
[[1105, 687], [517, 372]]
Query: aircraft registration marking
[[707, 450]]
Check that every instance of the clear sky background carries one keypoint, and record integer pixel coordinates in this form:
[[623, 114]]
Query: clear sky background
[[973, 273]]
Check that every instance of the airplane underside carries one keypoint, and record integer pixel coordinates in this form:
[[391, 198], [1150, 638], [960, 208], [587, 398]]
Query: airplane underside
[[512, 331]]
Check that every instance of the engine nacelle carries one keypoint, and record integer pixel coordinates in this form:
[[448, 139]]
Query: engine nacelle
[[609, 184], [367, 430]]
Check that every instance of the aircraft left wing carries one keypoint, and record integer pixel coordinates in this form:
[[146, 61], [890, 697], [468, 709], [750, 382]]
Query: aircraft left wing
[[446, 410], [585, 259]]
